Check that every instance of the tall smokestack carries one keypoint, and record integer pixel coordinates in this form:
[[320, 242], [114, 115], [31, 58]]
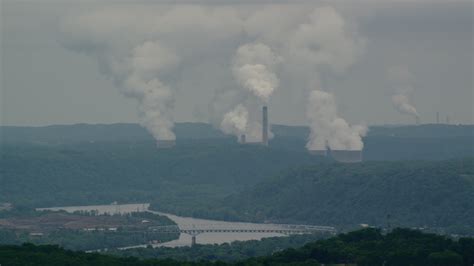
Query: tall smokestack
[[243, 139], [265, 126]]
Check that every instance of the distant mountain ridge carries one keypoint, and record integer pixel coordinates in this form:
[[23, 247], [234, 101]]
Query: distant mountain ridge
[[134, 132]]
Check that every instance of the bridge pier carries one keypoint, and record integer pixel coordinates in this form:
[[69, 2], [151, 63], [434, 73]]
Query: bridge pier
[[193, 240]]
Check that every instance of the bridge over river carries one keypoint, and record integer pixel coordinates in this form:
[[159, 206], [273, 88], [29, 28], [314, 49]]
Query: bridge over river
[[286, 229], [212, 231]]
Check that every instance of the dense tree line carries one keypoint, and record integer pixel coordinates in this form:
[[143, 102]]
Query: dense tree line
[[368, 247]]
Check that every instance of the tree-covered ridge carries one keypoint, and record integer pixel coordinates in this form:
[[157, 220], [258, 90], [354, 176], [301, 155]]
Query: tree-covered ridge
[[438, 196], [421, 142], [367, 247], [134, 132], [100, 173]]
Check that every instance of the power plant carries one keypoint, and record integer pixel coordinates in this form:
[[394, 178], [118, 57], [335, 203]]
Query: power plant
[[264, 140], [343, 156], [243, 139]]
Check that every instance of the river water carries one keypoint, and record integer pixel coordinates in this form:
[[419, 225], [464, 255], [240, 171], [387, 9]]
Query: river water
[[182, 222]]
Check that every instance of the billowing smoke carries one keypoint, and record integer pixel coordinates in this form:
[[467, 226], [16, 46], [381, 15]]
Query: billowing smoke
[[325, 44], [401, 102], [155, 99], [257, 79], [401, 79], [140, 48], [253, 69], [235, 121], [156, 53], [327, 128]]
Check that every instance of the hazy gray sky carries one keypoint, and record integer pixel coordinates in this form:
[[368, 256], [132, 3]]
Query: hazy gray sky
[[50, 76]]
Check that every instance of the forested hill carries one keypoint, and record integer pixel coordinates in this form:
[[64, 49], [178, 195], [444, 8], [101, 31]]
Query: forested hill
[[434, 195], [134, 132], [100, 132], [425, 142], [368, 247], [103, 172]]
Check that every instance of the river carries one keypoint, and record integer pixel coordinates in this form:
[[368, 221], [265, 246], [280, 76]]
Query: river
[[182, 222]]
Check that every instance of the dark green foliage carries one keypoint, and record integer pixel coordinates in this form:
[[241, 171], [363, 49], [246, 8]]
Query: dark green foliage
[[368, 247], [100, 173], [29, 254]]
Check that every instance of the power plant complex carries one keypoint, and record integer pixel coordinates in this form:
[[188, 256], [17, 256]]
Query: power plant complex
[[265, 127], [343, 156]]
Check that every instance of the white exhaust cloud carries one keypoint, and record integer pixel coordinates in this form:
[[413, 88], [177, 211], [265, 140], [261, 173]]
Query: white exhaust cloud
[[322, 44], [254, 69], [235, 122], [402, 79], [143, 50], [401, 102], [155, 99], [328, 130], [140, 48]]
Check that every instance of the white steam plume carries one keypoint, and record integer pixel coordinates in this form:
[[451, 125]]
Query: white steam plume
[[402, 79], [328, 130], [235, 122], [154, 52], [137, 47], [253, 68], [325, 44], [401, 102], [155, 99]]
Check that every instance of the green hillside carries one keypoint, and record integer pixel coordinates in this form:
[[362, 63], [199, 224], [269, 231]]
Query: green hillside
[[103, 172], [435, 195]]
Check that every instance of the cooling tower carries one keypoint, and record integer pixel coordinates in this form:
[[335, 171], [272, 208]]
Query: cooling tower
[[165, 144], [318, 152], [265, 126], [347, 156]]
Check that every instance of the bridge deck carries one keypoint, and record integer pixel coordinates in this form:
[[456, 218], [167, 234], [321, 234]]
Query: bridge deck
[[273, 228]]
